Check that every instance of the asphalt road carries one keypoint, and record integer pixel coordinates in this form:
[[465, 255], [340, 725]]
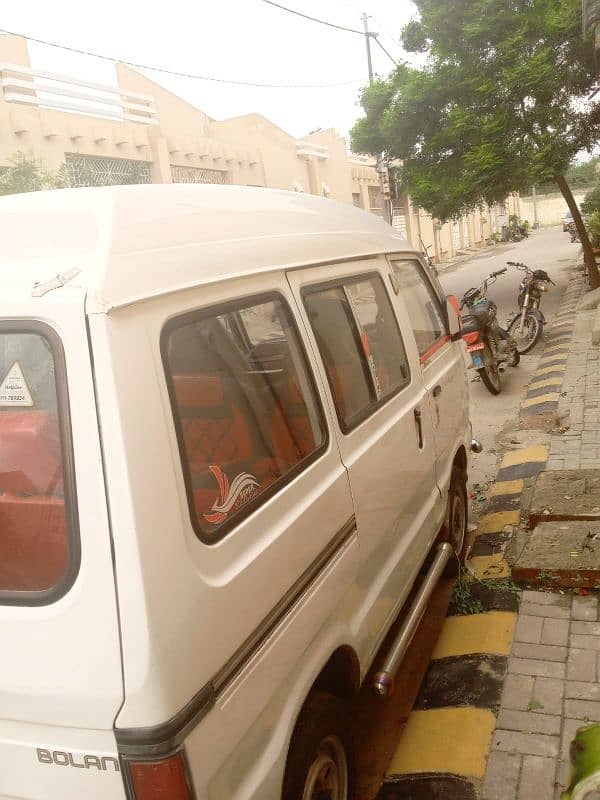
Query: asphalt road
[[492, 416]]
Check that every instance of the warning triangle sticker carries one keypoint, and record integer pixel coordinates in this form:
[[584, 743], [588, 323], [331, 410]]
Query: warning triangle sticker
[[13, 389]]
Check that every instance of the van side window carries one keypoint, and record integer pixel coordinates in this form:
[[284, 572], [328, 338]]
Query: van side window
[[37, 537], [244, 405], [360, 344], [422, 304]]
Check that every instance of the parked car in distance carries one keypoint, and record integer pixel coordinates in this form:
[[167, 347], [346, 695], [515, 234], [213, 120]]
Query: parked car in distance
[[234, 434], [567, 220]]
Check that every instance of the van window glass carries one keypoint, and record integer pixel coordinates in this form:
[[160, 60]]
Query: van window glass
[[34, 527], [339, 343], [244, 407], [422, 303], [380, 336], [360, 344]]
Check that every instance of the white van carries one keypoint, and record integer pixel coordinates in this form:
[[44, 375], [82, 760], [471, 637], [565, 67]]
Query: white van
[[233, 426]]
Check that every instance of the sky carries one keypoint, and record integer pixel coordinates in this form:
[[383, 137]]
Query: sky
[[246, 40]]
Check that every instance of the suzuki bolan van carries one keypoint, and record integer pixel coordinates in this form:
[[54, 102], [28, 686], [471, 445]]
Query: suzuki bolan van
[[233, 435]]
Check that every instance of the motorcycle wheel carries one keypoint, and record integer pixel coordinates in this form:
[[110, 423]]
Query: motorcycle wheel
[[532, 332], [489, 373]]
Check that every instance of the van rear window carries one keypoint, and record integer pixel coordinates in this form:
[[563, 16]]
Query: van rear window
[[35, 551]]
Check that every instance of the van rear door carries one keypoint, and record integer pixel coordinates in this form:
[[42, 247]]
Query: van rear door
[[60, 669]]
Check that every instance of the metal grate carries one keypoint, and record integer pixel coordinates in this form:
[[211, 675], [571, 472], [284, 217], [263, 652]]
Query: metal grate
[[198, 175], [84, 170]]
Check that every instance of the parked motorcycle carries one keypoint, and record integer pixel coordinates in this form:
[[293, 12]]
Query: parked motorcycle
[[486, 340], [518, 233], [527, 326]]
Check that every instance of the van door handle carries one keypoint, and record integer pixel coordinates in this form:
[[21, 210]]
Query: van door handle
[[419, 427], [437, 391]]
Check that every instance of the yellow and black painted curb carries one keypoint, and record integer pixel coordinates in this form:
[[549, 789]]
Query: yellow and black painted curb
[[445, 746], [545, 387]]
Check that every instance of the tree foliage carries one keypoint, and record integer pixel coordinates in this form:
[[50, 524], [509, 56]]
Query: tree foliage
[[27, 175], [500, 105], [578, 176]]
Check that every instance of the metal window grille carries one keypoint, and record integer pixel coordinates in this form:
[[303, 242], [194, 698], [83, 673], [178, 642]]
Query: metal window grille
[[86, 170], [198, 175]]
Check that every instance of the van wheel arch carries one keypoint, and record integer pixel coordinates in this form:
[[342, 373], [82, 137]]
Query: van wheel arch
[[341, 674], [461, 461]]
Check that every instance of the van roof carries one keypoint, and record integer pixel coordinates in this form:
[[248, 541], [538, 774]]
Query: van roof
[[132, 243]]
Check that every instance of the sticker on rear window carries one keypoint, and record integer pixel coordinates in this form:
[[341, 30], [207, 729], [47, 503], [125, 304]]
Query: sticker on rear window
[[13, 389]]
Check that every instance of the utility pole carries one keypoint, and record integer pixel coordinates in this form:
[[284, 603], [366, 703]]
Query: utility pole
[[365, 20], [380, 166], [536, 223]]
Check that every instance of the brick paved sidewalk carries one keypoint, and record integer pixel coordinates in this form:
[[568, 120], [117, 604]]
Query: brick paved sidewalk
[[552, 687], [551, 690], [579, 446]]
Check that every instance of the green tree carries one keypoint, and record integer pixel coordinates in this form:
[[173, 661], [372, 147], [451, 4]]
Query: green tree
[[591, 202], [25, 174], [500, 104], [578, 176]]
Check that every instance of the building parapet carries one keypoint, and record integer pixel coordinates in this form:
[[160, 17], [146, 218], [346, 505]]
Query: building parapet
[[310, 149], [27, 86]]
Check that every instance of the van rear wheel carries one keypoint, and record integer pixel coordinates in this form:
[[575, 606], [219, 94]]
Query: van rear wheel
[[321, 763], [457, 518]]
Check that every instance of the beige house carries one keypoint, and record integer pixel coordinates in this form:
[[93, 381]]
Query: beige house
[[136, 131]]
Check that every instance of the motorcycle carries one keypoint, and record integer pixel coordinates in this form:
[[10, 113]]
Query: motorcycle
[[488, 343], [518, 233], [527, 326]]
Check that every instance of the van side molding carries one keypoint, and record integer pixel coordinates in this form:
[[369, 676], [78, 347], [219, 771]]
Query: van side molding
[[166, 737]]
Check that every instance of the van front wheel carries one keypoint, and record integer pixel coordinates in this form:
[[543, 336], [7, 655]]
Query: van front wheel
[[321, 759]]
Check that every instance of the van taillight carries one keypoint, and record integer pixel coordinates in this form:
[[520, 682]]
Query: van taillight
[[471, 337], [163, 779]]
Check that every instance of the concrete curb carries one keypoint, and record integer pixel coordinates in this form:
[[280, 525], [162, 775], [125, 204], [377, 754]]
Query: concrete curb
[[545, 386]]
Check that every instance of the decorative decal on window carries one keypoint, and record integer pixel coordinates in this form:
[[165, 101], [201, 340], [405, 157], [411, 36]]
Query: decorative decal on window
[[231, 497]]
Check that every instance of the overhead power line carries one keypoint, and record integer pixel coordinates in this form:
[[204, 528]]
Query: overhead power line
[[313, 19], [178, 74], [370, 34], [385, 51]]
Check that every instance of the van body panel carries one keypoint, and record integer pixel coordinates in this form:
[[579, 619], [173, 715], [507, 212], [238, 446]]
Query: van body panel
[[397, 503], [240, 748], [181, 597], [445, 379], [46, 762], [449, 406], [60, 673]]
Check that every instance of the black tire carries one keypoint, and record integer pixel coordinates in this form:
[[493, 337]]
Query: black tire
[[537, 328], [324, 726], [489, 373], [456, 522]]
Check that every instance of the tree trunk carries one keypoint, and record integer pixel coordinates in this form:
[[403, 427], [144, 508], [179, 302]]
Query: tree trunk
[[588, 253]]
